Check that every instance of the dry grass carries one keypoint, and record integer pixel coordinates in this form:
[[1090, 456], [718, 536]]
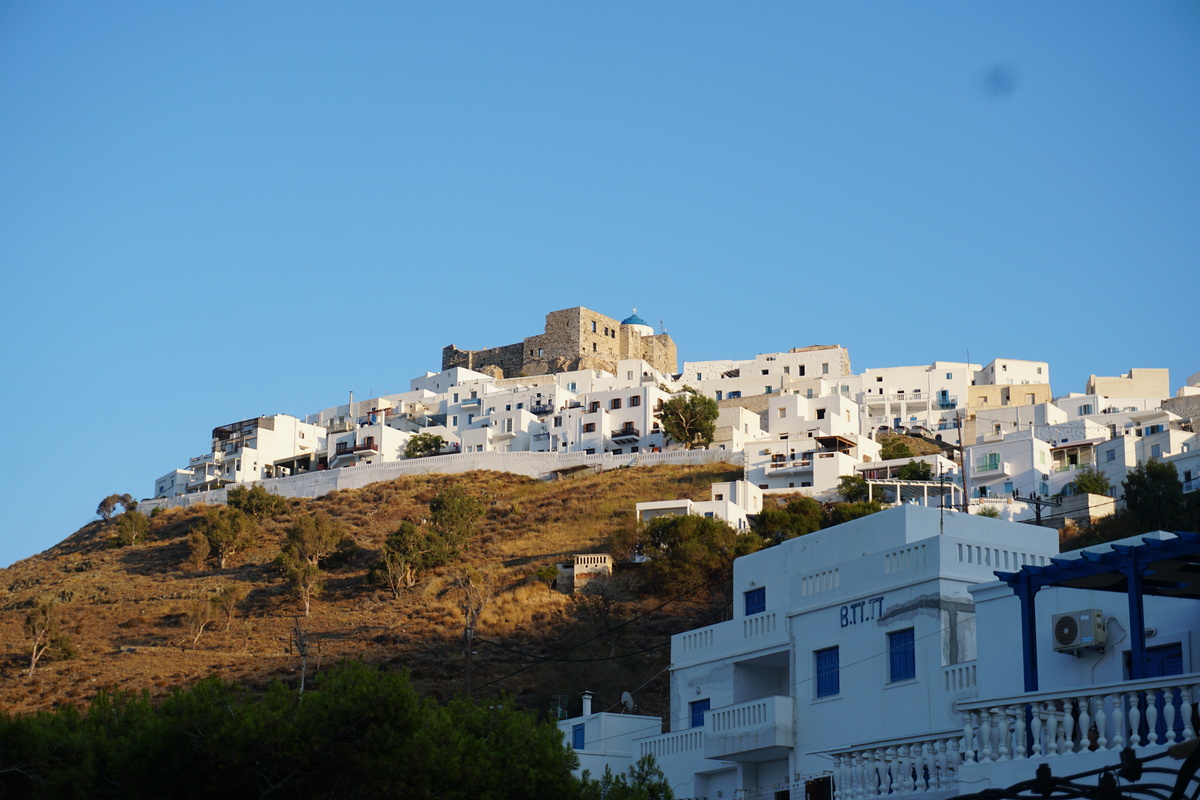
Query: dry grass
[[125, 607]]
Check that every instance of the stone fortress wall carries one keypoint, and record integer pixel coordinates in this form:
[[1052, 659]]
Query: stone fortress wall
[[574, 338]]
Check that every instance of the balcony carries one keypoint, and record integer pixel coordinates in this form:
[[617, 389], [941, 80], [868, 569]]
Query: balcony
[[541, 410], [993, 468], [912, 765], [1192, 485], [1103, 720], [789, 467], [760, 730], [947, 401], [472, 402], [627, 435], [346, 449]]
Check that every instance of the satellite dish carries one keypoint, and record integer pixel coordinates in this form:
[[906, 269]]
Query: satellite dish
[[627, 701]]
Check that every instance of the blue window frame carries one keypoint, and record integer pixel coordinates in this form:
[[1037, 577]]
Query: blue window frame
[[828, 682], [756, 600], [577, 737], [698, 709], [903, 655]]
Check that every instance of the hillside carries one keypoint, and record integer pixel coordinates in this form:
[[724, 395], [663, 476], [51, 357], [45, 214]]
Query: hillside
[[126, 609]]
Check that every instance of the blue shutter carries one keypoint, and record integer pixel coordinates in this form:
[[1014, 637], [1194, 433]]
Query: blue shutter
[[756, 600], [903, 655], [697, 708], [827, 672], [577, 737]]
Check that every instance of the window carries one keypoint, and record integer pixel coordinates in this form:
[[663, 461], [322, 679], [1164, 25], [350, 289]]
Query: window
[[541, 352], [827, 672], [454, 420], [820, 413], [589, 427], [558, 422], [949, 376], [1110, 455], [456, 397], [594, 406], [1155, 451], [767, 390], [577, 731], [782, 412], [635, 401], [697, 709], [593, 327], [756, 600], [508, 407], [825, 369], [508, 426], [571, 386], [766, 372], [801, 372], [903, 658], [616, 403], [1086, 408], [593, 347], [787, 370]]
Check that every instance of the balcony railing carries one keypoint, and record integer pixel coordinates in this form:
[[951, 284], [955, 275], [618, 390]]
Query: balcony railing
[[1192, 485], [947, 402], [1148, 713], [347, 449], [669, 744], [899, 766], [541, 410], [759, 730], [626, 434]]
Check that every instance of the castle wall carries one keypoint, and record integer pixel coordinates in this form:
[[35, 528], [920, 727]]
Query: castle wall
[[574, 338]]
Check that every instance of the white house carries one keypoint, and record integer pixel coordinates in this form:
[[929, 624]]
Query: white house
[[841, 640], [732, 502]]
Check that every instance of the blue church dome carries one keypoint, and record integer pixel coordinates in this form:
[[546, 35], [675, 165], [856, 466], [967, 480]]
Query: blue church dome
[[635, 320]]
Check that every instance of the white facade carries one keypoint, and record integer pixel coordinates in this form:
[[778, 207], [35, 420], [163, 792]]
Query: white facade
[[842, 638], [731, 502], [929, 396], [766, 373]]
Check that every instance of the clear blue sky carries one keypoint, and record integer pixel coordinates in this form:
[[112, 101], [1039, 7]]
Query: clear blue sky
[[211, 211]]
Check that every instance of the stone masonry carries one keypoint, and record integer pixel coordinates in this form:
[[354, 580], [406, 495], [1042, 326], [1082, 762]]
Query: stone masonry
[[574, 338]]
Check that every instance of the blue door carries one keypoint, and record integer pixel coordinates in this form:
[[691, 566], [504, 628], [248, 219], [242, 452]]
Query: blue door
[[1161, 662]]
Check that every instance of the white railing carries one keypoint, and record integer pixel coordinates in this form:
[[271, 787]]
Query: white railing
[[902, 766], [1145, 713], [959, 677], [669, 744], [758, 624], [750, 727]]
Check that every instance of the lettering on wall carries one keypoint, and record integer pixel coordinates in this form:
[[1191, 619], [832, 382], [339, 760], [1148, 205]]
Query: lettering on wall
[[862, 611]]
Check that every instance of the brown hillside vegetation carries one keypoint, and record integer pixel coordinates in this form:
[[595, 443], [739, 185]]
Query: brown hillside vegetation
[[129, 611]]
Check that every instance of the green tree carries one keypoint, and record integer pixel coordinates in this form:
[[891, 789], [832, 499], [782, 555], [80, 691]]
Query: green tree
[[132, 528], [226, 531], [894, 447], [1154, 495], [845, 512], [689, 418], [315, 538], [424, 445], [107, 506], [453, 514], [226, 601], [853, 488], [688, 551], [306, 578], [44, 633], [915, 471], [256, 501], [1091, 481], [643, 781], [801, 515], [988, 511], [410, 551]]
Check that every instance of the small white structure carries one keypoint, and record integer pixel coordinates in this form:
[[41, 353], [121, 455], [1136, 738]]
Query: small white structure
[[605, 740], [731, 502]]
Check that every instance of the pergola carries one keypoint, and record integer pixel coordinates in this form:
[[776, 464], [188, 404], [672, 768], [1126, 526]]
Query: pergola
[[1166, 567]]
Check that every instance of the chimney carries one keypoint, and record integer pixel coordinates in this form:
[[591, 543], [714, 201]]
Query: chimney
[[587, 704]]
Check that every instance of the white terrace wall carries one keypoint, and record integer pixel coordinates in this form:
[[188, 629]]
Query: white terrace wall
[[534, 465]]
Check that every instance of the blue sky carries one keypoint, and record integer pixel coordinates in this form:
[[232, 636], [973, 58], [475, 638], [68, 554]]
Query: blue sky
[[214, 211]]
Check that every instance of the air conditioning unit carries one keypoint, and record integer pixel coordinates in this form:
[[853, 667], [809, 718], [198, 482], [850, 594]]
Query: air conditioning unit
[[1079, 630]]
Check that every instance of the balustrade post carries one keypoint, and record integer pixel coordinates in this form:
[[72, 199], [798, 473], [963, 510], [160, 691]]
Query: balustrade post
[[865, 783], [856, 775], [838, 779], [920, 767], [986, 734], [1003, 751], [968, 737], [1168, 727], [1020, 735], [1037, 713], [1118, 721], [1135, 721], [1052, 746], [1085, 723], [906, 778], [890, 755], [1185, 708], [1101, 718]]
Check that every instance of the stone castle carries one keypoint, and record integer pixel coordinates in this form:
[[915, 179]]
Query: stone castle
[[575, 338]]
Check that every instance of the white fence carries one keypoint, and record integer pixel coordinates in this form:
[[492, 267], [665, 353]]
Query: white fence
[[534, 465]]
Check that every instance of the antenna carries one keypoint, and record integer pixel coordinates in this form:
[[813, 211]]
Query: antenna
[[627, 702], [662, 326]]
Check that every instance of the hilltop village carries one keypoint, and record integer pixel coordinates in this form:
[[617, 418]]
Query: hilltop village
[[585, 392], [936, 648]]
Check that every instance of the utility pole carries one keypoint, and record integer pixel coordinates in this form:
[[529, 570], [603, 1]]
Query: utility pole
[[1037, 501]]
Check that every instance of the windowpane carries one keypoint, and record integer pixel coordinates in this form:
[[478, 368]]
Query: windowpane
[[698, 709], [756, 600], [827, 672], [577, 737], [903, 655]]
